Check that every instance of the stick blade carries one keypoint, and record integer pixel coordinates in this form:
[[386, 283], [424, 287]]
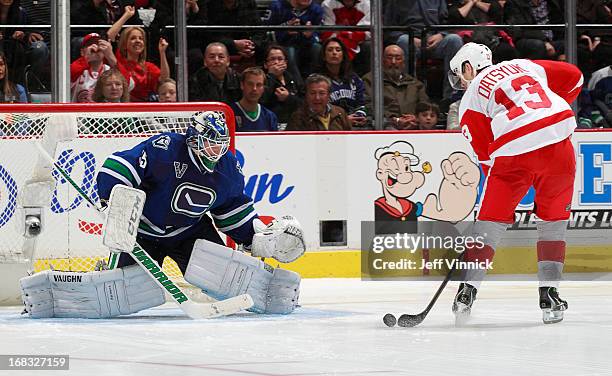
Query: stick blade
[[217, 309], [409, 321]]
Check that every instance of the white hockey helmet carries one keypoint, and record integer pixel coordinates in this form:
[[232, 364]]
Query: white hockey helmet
[[478, 55], [208, 136]]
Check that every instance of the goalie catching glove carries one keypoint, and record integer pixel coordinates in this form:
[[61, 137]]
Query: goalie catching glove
[[282, 239]]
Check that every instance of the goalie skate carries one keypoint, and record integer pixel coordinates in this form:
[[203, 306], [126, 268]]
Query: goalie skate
[[552, 305]]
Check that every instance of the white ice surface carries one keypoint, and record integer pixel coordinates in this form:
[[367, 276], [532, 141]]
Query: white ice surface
[[338, 331]]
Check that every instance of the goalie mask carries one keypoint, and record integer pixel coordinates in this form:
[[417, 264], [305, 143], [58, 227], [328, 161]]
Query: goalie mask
[[208, 137], [477, 55]]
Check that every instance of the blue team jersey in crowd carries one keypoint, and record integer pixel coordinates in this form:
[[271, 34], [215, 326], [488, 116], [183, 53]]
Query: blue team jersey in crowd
[[179, 191], [349, 95], [265, 120]]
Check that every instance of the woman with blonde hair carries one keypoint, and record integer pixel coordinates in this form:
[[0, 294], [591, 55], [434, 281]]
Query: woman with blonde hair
[[142, 75], [111, 87]]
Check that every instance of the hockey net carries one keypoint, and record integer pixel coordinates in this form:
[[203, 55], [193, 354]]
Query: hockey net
[[72, 231]]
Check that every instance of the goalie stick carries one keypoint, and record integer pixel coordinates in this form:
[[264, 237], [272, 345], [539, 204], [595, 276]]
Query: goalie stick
[[407, 320], [192, 309]]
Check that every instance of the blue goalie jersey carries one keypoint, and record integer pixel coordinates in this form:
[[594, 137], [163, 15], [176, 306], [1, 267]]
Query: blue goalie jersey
[[179, 191]]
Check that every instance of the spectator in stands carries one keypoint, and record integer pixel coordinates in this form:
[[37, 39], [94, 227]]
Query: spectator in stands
[[84, 71], [11, 92], [452, 117], [401, 91], [11, 39], [427, 115], [596, 48], [95, 12], [350, 13], [166, 90], [597, 106], [142, 75], [417, 14], [38, 12], [115, 29], [347, 89], [283, 93], [196, 15], [475, 12], [302, 46], [154, 15], [317, 114], [111, 87], [482, 12], [532, 43], [215, 81], [250, 115], [245, 47], [91, 12]]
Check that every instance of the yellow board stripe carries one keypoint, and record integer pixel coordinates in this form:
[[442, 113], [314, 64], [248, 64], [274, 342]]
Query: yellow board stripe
[[347, 263]]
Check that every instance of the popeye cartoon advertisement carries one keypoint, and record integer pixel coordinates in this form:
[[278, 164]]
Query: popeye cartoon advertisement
[[400, 178]]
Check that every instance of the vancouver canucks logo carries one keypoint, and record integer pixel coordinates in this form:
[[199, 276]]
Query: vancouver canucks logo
[[192, 200], [162, 142]]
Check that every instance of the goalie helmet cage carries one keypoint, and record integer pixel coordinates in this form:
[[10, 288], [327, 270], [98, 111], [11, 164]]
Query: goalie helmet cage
[[72, 232]]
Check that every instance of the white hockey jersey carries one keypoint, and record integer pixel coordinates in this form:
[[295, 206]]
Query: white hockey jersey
[[518, 106], [83, 80]]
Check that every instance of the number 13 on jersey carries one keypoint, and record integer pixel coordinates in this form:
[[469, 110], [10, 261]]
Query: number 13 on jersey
[[518, 84]]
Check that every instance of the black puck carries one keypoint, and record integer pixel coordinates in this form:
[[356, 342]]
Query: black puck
[[389, 320]]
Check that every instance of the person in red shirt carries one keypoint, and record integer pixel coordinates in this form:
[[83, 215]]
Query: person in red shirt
[[518, 119], [96, 57], [350, 13], [142, 75]]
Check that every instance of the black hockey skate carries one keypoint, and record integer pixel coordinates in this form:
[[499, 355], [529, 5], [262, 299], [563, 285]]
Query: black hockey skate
[[462, 306], [552, 305]]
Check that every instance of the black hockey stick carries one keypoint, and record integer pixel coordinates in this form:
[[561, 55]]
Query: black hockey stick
[[409, 321]]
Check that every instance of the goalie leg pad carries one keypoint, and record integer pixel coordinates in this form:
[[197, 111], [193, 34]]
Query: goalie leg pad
[[283, 292], [224, 273], [91, 295]]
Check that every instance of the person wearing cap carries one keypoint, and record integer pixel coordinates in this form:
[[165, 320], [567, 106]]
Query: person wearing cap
[[400, 180], [96, 57]]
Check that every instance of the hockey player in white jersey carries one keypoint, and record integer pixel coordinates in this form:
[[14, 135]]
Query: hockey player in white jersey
[[185, 177], [517, 117]]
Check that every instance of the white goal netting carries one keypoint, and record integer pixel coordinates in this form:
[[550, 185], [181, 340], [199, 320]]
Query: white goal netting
[[71, 237]]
